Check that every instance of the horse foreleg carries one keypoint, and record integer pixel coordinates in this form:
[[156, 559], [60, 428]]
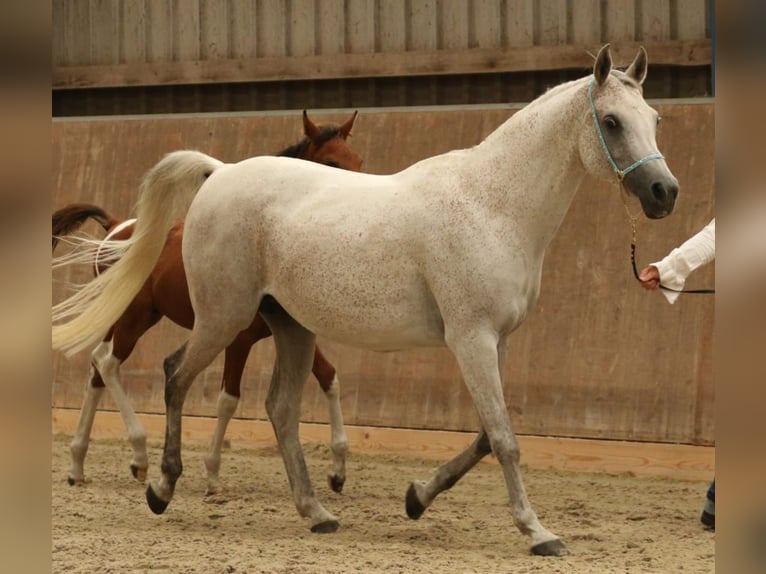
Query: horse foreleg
[[79, 445], [477, 354], [295, 346], [108, 365], [328, 380]]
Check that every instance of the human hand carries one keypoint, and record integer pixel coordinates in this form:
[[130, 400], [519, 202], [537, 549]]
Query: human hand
[[649, 277]]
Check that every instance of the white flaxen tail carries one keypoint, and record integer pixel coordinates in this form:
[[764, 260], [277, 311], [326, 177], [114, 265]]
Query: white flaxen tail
[[165, 195]]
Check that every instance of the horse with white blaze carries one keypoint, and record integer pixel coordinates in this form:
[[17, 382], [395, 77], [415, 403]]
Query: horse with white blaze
[[446, 252]]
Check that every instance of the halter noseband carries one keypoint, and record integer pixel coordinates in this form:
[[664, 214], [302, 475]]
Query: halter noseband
[[620, 173]]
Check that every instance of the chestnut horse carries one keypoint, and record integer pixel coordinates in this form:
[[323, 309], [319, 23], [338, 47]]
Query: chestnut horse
[[166, 294]]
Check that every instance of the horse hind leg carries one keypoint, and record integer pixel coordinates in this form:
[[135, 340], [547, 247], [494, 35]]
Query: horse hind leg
[[228, 400], [328, 380], [181, 368], [108, 365], [78, 448], [295, 347]]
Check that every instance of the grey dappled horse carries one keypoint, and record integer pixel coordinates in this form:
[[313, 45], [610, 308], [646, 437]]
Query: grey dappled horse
[[446, 252]]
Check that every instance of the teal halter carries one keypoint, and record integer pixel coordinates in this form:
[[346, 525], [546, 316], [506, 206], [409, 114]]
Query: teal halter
[[621, 173]]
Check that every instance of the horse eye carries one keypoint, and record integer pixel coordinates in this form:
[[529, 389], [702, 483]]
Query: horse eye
[[611, 122], [331, 163]]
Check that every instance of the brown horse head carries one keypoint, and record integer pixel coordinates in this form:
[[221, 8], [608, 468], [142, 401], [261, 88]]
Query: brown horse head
[[326, 144]]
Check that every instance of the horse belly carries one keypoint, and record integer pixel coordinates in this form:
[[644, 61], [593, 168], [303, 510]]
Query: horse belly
[[361, 307]]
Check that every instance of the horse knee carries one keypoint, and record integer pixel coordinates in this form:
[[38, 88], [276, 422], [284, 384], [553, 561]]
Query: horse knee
[[506, 448]]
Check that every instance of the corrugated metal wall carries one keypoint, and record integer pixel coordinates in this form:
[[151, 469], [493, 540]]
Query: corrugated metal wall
[[115, 32]]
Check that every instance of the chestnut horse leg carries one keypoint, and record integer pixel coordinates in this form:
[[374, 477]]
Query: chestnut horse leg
[[228, 400], [234, 365], [107, 358], [79, 445], [328, 380]]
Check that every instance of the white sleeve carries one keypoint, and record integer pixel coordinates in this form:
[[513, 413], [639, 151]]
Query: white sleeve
[[679, 263]]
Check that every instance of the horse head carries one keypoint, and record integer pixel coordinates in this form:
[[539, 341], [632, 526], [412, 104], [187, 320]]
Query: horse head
[[328, 145], [619, 138]]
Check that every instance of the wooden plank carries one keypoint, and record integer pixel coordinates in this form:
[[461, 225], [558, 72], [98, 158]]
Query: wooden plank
[[243, 32], [689, 19], [58, 33], [487, 23], [360, 26], [423, 26], [104, 36], [655, 20], [214, 30], [159, 31], [301, 37], [186, 37], [331, 25], [270, 25], [520, 24], [133, 31], [679, 462], [619, 21], [392, 31], [585, 21], [356, 65], [77, 31], [551, 20], [453, 25]]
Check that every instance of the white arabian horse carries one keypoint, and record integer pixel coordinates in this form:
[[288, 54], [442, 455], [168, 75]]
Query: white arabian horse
[[446, 252]]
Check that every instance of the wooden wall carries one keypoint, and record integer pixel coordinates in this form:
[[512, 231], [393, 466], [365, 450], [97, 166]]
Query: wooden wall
[[599, 357], [161, 56]]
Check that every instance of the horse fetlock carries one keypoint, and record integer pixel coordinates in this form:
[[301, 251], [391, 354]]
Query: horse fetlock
[[76, 480], [139, 472], [336, 481], [78, 449], [554, 547], [213, 487], [326, 526], [417, 499]]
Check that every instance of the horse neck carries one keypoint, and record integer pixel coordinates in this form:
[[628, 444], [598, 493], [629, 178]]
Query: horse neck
[[534, 162]]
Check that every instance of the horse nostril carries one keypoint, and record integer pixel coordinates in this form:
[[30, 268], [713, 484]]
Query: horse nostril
[[659, 191], [673, 190]]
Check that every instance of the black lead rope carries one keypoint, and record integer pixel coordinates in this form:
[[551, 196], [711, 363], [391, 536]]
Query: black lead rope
[[632, 219], [663, 287]]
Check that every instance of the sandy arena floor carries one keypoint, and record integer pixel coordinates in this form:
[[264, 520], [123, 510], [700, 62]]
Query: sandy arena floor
[[620, 524]]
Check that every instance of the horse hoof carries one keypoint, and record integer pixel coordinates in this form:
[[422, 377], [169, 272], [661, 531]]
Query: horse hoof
[[156, 504], [553, 547], [336, 482], [415, 508], [74, 481], [326, 527], [138, 473]]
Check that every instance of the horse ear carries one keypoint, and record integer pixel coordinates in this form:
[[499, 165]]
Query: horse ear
[[345, 129], [603, 65], [637, 70], [310, 128]]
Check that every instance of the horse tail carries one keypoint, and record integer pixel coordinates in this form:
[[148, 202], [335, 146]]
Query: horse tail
[[69, 219], [166, 192]]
